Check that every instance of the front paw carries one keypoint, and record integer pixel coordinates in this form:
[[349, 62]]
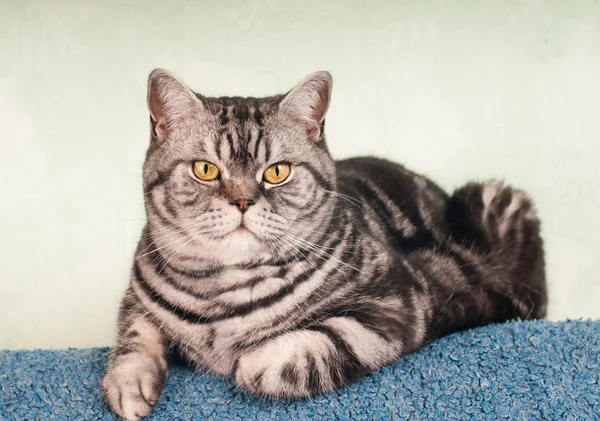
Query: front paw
[[292, 366], [251, 371], [133, 384]]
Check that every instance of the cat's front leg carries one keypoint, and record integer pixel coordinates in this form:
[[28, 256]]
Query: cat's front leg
[[137, 369], [315, 360]]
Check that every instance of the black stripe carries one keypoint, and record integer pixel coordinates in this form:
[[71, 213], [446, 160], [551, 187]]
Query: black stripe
[[158, 299], [256, 381], [468, 269], [347, 367], [190, 202], [224, 116], [289, 374], [334, 276], [158, 181], [314, 298], [160, 265], [242, 146], [281, 262], [258, 117], [127, 348], [234, 367], [162, 176], [315, 207], [267, 152], [219, 142], [132, 334], [193, 317], [348, 250], [168, 205], [210, 339], [334, 241], [156, 212], [315, 384], [257, 143], [139, 385], [231, 147], [421, 239], [358, 259], [274, 298], [382, 324], [322, 181], [288, 198], [241, 112], [366, 194], [190, 273], [253, 343], [120, 399]]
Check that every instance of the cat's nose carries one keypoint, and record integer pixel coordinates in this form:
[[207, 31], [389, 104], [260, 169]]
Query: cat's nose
[[243, 204]]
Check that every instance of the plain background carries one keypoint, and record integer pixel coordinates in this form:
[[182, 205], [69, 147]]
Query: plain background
[[455, 90]]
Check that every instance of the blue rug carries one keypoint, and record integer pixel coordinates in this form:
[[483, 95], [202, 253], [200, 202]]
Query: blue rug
[[518, 371]]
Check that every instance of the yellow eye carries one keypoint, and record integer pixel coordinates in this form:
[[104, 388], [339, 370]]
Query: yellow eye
[[277, 173], [206, 171]]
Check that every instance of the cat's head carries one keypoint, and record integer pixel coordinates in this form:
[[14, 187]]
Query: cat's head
[[237, 180]]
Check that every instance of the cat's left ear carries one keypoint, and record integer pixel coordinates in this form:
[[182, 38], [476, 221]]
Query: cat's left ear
[[308, 102], [170, 103]]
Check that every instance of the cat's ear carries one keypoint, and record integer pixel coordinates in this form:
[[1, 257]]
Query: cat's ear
[[170, 102], [308, 102]]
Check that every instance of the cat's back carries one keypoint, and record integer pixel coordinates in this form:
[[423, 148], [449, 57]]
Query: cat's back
[[408, 205], [377, 171]]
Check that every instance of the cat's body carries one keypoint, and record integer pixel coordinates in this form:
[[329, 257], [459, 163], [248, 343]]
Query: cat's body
[[299, 290]]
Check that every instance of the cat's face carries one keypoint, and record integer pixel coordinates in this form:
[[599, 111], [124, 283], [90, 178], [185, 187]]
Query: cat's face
[[237, 180]]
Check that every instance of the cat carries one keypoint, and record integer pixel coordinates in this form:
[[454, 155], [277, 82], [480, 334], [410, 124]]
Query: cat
[[265, 259]]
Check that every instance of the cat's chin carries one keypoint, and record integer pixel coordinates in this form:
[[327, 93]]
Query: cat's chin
[[239, 246]]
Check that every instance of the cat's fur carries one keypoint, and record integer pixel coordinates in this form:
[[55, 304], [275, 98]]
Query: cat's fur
[[338, 271]]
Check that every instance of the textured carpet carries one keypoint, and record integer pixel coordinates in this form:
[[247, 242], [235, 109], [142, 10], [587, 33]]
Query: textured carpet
[[530, 371]]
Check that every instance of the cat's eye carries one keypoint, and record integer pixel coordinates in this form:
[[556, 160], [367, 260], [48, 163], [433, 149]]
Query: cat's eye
[[277, 173], [206, 171]]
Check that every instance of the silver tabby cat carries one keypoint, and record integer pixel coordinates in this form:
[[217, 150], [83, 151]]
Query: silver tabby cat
[[265, 259]]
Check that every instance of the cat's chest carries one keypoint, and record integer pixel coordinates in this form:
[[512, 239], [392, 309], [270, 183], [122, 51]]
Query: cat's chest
[[216, 345], [216, 325]]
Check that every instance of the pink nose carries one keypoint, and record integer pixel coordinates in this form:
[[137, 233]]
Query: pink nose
[[243, 204]]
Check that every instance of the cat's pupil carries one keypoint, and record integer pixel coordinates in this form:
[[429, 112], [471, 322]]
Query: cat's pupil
[[277, 170], [205, 168]]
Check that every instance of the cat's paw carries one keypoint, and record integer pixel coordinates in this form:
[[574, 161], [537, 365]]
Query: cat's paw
[[254, 371], [133, 384], [286, 367]]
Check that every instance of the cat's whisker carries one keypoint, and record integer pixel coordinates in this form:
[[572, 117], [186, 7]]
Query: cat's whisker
[[356, 202], [302, 240], [170, 232], [156, 249], [192, 236], [339, 270], [298, 259], [319, 250], [322, 233]]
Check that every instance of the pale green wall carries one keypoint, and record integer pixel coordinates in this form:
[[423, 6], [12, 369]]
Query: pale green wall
[[456, 90]]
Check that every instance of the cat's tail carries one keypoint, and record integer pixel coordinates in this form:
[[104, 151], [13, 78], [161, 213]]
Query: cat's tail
[[499, 222]]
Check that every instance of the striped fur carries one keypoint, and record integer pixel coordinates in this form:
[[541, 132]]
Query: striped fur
[[337, 271]]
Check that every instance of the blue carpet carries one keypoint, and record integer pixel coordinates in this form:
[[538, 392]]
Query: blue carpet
[[518, 371]]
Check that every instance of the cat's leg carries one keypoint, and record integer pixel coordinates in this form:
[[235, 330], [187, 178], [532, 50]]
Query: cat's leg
[[315, 360], [138, 366]]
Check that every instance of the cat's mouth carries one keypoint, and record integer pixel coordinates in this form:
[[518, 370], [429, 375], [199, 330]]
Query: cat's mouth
[[241, 230]]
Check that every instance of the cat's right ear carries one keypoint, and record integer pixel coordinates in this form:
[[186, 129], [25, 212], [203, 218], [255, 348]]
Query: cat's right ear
[[170, 103]]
